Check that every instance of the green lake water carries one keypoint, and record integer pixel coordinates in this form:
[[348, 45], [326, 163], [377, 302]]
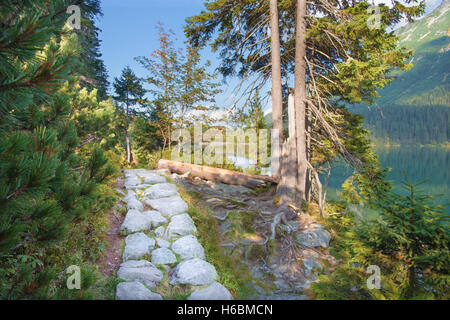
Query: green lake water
[[427, 165]]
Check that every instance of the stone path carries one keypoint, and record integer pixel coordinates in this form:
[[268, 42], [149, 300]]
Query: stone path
[[161, 244]]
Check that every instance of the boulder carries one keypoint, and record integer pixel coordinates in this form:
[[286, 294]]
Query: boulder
[[137, 245], [135, 291], [180, 225], [161, 190], [135, 204], [188, 247], [162, 243], [136, 221], [163, 256], [142, 271], [169, 206], [156, 218], [194, 272], [130, 196], [314, 238], [132, 182], [215, 291], [153, 178]]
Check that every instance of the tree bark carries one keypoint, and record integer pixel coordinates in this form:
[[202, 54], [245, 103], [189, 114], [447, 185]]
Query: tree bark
[[277, 94], [300, 99], [288, 180], [127, 135], [216, 174]]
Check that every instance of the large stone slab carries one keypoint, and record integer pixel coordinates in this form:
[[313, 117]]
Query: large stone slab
[[142, 271], [130, 196], [156, 218], [135, 291], [214, 291], [162, 243], [136, 221], [135, 204], [188, 247], [152, 177], [180, 225], [169, 206], [194, 272], [163, 256], [137, 245], [161, 190], [132, 182], [314, 238]]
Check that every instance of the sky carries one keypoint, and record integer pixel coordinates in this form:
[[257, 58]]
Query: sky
[[129, 30]]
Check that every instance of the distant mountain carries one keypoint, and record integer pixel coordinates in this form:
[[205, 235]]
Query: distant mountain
[[414, 108], [428, 81]]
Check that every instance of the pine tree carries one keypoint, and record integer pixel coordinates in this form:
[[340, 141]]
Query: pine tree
[[44, 184], [129, 97], [408, 242], [346, 62], [197, 87]]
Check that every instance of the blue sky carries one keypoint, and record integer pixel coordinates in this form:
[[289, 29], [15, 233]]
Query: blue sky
[[129, 30]]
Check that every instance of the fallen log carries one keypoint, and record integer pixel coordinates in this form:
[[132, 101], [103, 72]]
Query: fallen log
[[216, 174]]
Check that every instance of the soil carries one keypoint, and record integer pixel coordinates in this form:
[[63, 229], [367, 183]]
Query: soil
[[111, 260]]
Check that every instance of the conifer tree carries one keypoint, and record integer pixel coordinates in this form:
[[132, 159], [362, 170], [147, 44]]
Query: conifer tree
[[44, 183], [130, 97], [408, 243], [346, 62]]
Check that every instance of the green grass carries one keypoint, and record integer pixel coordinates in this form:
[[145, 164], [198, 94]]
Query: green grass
[[232, 273]]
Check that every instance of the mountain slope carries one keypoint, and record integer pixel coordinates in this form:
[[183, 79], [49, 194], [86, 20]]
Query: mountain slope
[[427, 83], [414, 108]]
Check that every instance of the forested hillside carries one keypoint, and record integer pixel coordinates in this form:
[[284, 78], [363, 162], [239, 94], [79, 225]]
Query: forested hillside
[[415, 106]]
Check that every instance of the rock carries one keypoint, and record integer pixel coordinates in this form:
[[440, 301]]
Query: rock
[[135, 204], [169, 206], [180, 225], [130, 196], [215, 291], [194, 272], [310, 260], [142, 271], [188, 247], [314, 238], [156, 218], [162, 243], [161, 190], [137, 245], [135, 291], [163, 256], [159, 232], [136, 221], [132, 182], [153, 178]]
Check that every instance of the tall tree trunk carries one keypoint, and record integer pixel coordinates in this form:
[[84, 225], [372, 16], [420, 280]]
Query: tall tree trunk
[[287, 185], [300, 99], [277, 94], [127, 136]]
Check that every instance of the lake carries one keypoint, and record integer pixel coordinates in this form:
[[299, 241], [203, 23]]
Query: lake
[[429, 165]]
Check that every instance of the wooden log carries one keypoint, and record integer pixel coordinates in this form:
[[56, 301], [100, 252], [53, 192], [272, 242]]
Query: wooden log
[[216, 174]]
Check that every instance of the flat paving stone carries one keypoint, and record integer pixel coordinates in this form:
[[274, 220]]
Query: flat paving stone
[[169, 206], [137, 245]]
